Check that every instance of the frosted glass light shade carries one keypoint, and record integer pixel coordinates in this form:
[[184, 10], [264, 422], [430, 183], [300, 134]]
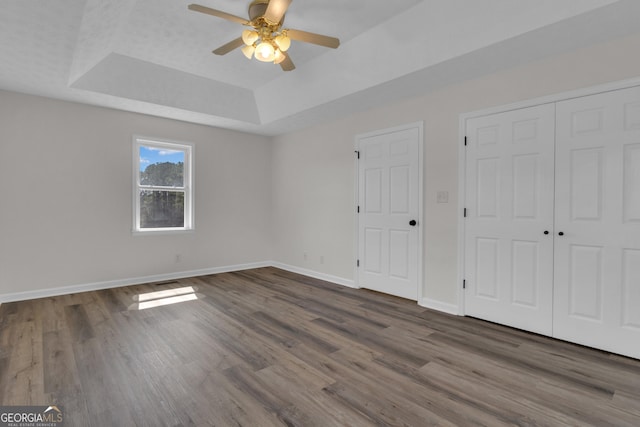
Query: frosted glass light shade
[[279, 57], [249, 37], [248, 51], [283, 42], [265, 52]]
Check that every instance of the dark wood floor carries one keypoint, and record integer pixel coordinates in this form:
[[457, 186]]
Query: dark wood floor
[[267, 347]]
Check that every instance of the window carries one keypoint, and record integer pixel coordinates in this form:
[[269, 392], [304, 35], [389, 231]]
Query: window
[[163, 186]]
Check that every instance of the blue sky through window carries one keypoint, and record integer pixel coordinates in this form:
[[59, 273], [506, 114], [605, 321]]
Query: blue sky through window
[[151, 155]]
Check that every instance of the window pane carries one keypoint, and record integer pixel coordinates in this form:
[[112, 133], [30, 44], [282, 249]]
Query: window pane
[[161, 209], [161, 166]]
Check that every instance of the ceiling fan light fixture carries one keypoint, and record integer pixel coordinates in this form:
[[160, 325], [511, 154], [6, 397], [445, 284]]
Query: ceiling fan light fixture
[[283, 41], [248, 51], [266, 39], [249, 37], [265, 52]]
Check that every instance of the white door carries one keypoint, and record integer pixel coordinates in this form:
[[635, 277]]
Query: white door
[[597, 267], [388, 222], [509, 218]]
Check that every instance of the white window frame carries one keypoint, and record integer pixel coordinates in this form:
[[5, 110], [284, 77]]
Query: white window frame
[[188, 173]]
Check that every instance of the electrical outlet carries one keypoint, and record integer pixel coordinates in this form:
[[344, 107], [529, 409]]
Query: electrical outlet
[[321, 259], [178, 258], [304, 255]]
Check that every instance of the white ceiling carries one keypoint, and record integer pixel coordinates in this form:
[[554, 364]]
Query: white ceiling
[[154, 56]]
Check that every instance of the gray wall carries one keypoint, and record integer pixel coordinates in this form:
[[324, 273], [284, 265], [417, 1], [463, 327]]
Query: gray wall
[[66, 215], [314, 171], [66, 177]]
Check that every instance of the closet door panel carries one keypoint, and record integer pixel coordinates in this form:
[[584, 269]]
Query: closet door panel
[[597, 199], [509, 201]]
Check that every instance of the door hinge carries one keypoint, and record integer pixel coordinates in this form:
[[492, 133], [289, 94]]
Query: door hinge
[[464, 284], [465, 141], [358, 209], [465, 213], [358, 263], [357, 153]]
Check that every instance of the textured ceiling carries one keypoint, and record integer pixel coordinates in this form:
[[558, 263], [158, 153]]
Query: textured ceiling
[[154, 56]]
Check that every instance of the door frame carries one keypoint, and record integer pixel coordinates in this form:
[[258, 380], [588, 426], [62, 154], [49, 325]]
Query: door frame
[[462, 156], [420, 126]]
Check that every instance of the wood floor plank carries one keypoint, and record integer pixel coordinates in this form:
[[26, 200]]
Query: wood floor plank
[[79, 324], [514, 411], [627, 403], [445, 403], [267, 347], [375, 340], [8, 342], [601, 376], [221, 403], [515, 357], [24, 381], [383, 410]]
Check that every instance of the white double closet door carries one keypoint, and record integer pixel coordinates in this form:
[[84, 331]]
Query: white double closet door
[[552, 233]]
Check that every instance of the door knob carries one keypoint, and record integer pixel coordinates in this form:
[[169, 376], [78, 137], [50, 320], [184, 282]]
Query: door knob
[[546, 231], [412, 223], [561, 234]]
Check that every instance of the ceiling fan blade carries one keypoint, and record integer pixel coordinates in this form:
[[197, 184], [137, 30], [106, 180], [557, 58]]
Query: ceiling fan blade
[[233, 44], [287, 64], [304, 36], [218, 13], [276, 10]]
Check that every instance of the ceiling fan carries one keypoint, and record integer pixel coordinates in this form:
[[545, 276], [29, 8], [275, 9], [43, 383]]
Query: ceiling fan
[[268, 41]]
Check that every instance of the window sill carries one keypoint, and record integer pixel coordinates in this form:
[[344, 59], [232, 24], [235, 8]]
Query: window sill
[[162, 231]]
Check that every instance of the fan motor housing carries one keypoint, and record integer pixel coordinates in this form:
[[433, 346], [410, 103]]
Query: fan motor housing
[[257, 8]]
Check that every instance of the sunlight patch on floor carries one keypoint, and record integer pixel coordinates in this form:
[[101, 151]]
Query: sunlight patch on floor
[[164, 297]]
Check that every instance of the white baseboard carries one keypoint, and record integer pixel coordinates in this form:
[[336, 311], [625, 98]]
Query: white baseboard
[[444, 307], [65, 290], [316, 275]]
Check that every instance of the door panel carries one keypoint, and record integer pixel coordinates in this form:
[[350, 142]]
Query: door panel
[[631, 288], [631, 195], [586, 184], [373, 250], [525, 192], [585, 282], [509, 201], [400, 187], [597, 281], [389, 192], [523, 273], [488, 191], [399, 242], [373, 191], [487, 274]]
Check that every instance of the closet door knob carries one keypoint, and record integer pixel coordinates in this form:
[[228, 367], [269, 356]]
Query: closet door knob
[[546, 231], [561, 233]]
